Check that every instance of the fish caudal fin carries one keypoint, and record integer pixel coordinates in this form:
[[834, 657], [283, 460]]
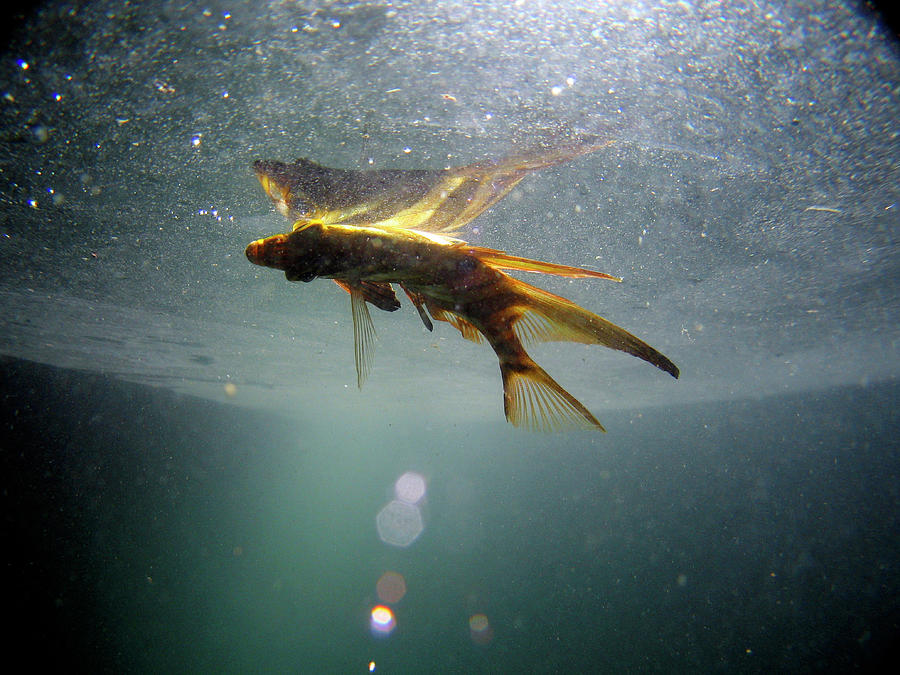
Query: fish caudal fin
[[533, 399], [545, 317]]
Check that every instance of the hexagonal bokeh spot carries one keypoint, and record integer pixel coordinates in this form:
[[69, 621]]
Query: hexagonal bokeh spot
[[410, 487], [399, 524]]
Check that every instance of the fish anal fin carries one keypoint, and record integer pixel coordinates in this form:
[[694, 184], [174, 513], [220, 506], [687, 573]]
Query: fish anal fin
[[533, 399], [466, 329], [363, 335]]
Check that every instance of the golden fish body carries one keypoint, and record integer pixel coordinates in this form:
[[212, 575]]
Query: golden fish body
[[441, 200], [465, 286]]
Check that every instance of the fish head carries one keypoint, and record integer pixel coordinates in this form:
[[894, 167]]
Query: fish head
[[295, 253], [269, 252], [280, 183]]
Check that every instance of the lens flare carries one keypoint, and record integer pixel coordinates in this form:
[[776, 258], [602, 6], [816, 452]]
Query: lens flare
[[399, 523], [391, 588], [480, 629], [410, 488], [382, 621]]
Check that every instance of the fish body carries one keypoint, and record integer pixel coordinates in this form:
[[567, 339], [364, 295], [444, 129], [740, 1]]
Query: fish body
[[450, 280]]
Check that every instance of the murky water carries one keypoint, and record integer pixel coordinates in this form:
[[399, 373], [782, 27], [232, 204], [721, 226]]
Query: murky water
[[193, 481]]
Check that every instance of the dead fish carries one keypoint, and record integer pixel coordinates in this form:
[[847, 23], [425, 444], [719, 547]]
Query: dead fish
[[449, 280]]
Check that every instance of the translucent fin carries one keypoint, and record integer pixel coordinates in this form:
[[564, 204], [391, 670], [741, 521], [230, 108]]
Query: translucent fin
[[441, 200], [303, 223], [466, 329], [545, 317], [533, 399], [488, 182], [363, 335], [556, 152], [503, 261], [533, 327]]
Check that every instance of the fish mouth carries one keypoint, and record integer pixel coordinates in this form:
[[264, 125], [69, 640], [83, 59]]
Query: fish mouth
[[254, 252], [269, 252]]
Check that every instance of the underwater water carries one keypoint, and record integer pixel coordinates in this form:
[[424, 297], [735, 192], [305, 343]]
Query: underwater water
[[192, 480]]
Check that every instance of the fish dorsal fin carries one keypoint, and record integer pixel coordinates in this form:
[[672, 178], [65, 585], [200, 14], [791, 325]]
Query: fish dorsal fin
[[503, 261], [533, 399], [363, 335]]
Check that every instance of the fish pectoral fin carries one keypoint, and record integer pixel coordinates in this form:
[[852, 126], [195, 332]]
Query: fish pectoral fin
[[533, 399], [378, 293], [363, 335]]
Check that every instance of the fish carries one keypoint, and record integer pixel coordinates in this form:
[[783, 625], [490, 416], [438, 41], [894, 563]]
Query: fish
[[394, 230]]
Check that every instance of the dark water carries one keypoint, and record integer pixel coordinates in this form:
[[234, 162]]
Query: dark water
[[152, 532], [192, 481]]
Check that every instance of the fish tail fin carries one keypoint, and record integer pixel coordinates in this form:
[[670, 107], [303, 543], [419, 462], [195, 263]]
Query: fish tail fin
[[545, 317], [533, 399]]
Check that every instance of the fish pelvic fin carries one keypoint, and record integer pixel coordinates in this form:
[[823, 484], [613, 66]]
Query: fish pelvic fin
[[534, 400], [418, 301], [363, 335], [378, 293], [545, 317]]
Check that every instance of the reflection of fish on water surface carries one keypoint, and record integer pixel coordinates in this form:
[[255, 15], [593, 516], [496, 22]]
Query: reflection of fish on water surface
[[431, 200], [367, 230]]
